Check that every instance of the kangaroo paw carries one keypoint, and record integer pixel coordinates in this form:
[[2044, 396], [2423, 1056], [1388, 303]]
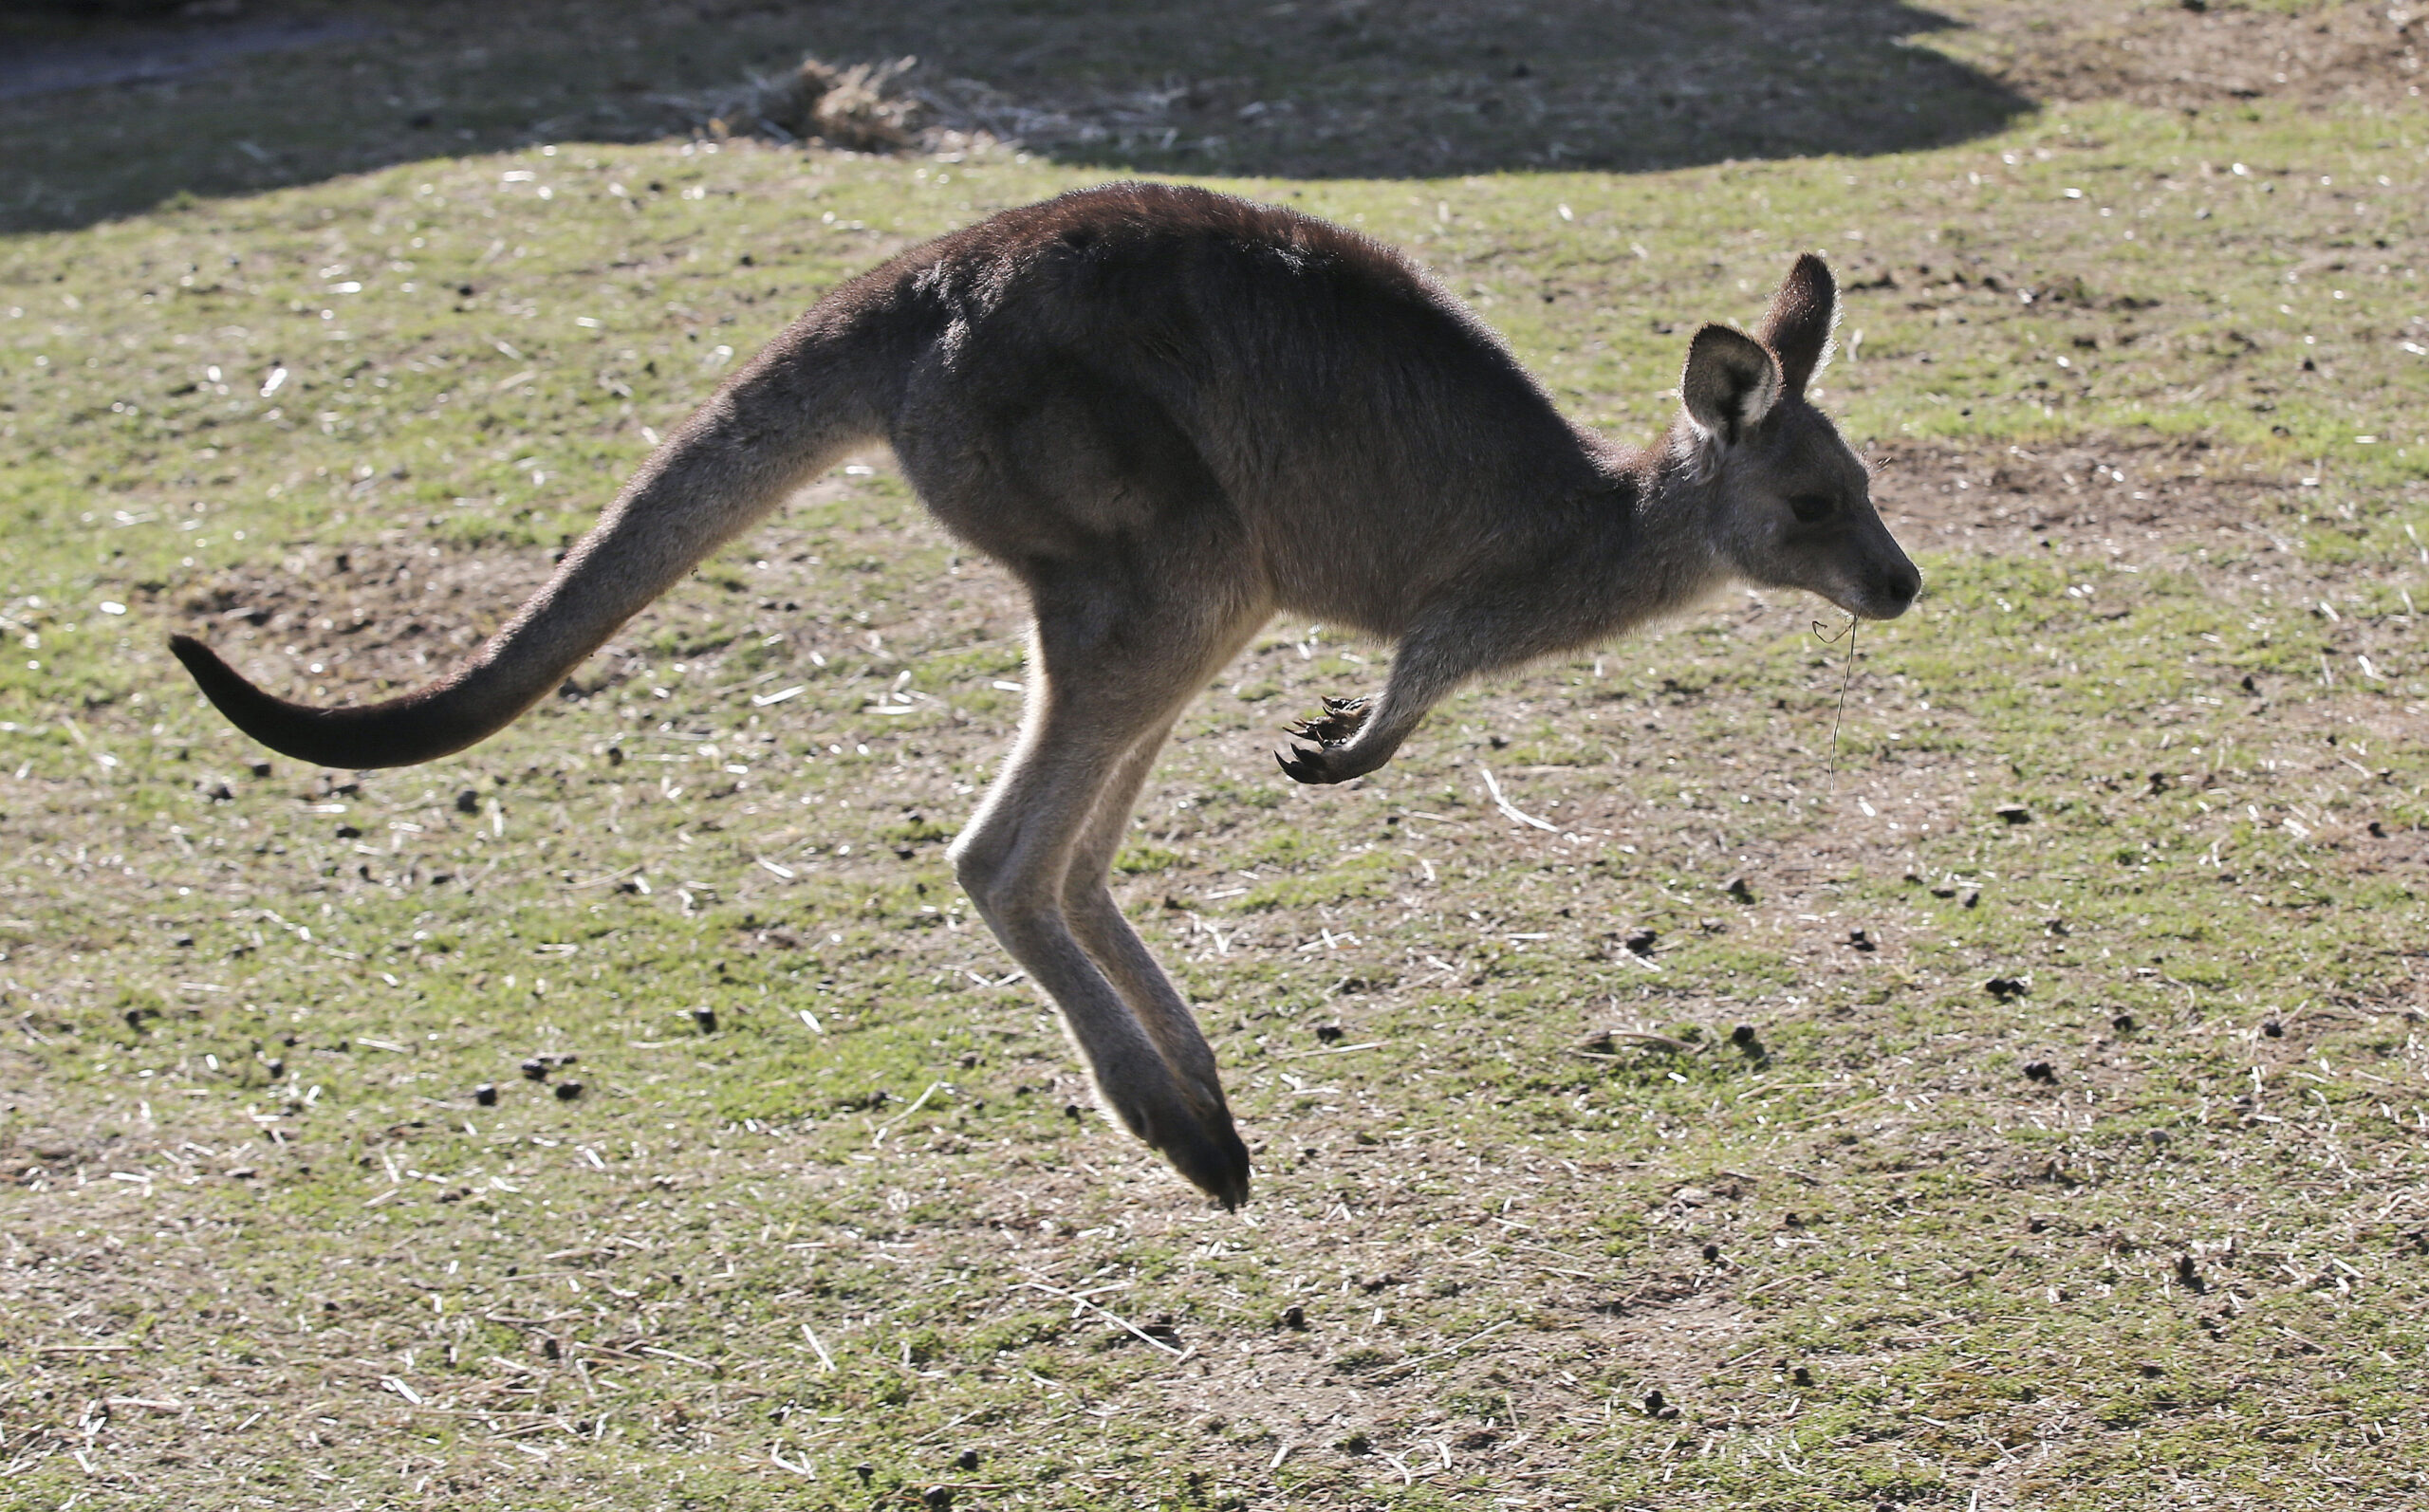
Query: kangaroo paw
[[1313, 757]]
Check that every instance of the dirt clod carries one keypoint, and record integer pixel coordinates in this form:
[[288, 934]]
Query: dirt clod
[[1295, 1317], [2274, 1029], [467, 802], [1740, 889]]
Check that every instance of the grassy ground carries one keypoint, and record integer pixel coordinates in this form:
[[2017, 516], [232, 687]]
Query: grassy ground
[[2072, 1156]]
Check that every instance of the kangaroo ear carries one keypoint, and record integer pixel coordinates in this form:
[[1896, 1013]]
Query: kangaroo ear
[[1731, 382], [1798, 326]]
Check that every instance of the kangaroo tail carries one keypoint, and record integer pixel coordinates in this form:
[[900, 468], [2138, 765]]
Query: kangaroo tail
[[822, 387]]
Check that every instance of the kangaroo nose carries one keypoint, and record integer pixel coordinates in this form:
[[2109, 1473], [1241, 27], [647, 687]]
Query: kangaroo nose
[[1897, 590]]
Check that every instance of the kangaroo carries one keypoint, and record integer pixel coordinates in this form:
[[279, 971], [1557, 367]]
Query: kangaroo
[[1171, 414]]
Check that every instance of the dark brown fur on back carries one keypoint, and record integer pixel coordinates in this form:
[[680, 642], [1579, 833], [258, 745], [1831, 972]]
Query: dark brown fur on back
[[1301, 385]]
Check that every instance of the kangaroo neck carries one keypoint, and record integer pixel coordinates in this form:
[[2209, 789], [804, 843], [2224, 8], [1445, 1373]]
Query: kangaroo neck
[[1659, 555]]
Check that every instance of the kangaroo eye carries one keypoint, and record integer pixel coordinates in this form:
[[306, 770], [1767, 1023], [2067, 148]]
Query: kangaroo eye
[[1812, 508]]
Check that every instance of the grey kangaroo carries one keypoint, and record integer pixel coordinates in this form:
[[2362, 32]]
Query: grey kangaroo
[[1171, 415]]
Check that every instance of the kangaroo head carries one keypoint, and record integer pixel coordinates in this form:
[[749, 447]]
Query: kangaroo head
[[1791, 504]]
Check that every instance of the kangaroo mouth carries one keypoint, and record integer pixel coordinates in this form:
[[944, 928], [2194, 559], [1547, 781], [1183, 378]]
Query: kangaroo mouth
[[1883, 601], [1885, 593]]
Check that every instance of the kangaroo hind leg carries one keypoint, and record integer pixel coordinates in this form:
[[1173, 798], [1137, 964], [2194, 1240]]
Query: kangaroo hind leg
[[1108, 934], [1109, 677]]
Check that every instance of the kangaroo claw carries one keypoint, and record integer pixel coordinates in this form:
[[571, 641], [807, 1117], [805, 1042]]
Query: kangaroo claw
[[1310, 757], [1341, 718], [1303, 764]]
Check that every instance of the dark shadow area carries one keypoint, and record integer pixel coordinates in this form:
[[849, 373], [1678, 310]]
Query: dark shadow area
[[1339, 88], [92, 57]]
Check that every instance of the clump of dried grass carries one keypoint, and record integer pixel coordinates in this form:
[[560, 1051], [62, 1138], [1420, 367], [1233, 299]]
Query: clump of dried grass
[[859, 108]]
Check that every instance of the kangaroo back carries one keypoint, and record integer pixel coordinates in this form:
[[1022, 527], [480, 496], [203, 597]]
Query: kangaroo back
[[830, 382]]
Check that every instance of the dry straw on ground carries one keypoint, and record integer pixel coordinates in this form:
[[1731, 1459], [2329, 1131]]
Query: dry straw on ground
[[862, 107]]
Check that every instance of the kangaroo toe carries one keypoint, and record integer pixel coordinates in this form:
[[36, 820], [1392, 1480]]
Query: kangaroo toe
[[1341, 719], [1195, 1134], [1315, 754], [1304, 763], [1211, 1155]]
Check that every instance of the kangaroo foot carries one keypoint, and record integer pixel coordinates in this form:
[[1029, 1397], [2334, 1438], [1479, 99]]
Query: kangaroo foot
[[1199, 1141], [1328, 732], [1214, 1160]]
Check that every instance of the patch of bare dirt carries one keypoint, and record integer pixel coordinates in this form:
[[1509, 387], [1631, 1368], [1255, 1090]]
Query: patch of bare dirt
[[2144, 496], [2177, 55], [2142, 501], [348, 622]]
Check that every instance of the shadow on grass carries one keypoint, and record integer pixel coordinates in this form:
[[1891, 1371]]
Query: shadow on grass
[[1364, 88]]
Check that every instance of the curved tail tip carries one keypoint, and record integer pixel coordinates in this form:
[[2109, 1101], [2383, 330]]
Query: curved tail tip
[[401, 732], [217, 680], [267, 719]]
